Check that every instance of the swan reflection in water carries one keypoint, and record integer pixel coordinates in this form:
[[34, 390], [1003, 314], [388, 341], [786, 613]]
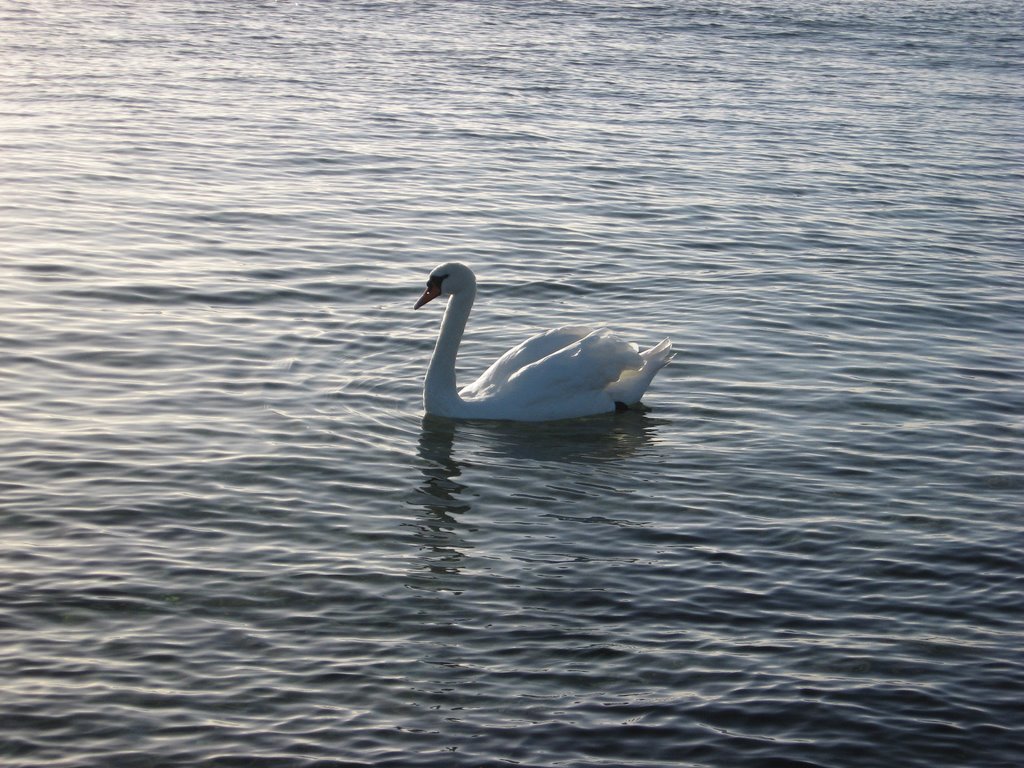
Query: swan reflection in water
[[596, 439], [442, 546], [559, 450], [570, 443]]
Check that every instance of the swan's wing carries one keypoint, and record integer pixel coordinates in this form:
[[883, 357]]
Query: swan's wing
[[519, 357], [582, 369]]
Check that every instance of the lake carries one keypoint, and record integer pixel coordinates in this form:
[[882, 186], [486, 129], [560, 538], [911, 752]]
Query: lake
[[230, 535]]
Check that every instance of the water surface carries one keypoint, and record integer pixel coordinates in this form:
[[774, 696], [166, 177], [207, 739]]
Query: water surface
[[232, 539]]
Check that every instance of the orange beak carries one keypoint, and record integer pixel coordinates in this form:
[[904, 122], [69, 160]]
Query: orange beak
[[432, 292]]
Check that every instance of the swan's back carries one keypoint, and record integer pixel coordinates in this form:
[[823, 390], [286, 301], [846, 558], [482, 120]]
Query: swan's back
[[584, 372]]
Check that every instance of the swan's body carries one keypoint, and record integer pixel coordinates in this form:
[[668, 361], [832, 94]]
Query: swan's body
[[559, 374]]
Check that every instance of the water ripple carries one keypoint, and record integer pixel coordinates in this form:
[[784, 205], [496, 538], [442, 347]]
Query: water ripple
[[233, 539]]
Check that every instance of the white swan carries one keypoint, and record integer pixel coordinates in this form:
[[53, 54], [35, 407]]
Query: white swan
[[559, 374]]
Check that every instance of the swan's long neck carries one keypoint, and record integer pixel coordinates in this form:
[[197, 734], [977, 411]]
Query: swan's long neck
[[440, 395]]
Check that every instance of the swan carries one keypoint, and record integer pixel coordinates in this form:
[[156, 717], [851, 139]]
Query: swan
[[563, 373]]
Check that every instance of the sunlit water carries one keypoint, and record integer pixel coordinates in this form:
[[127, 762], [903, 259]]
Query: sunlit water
[[231, 539]]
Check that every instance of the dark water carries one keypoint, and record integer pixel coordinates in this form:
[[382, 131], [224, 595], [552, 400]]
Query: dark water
[[229, 537]]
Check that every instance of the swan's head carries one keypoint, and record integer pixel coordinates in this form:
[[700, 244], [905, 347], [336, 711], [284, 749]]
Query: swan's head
[[446, 280]]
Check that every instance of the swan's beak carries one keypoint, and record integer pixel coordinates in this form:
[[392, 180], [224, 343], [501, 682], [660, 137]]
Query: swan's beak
[[432, 292]]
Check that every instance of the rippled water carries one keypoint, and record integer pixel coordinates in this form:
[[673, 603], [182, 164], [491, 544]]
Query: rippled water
[[231, 539]]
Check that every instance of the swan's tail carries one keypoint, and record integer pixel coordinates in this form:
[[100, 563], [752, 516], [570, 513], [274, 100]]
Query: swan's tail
[[632, 384], [659, 354]]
